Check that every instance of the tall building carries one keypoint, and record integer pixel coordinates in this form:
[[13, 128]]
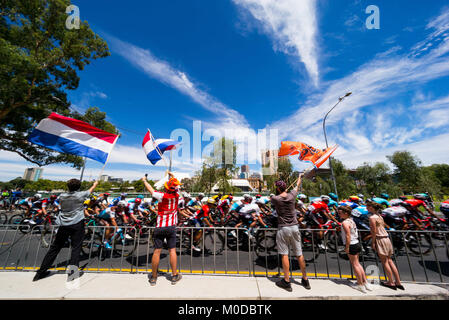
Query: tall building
[[269, 162], [33, 174], [245, 168], [104, 178]]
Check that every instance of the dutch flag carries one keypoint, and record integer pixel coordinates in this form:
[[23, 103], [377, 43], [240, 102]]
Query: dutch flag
[[155, 148], [73, 136]]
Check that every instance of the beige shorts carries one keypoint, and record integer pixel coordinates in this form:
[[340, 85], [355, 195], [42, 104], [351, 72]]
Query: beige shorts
[[289, 237]]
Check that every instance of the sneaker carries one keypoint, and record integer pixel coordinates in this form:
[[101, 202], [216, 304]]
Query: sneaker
[[152, 281], [322, 247], [41, 275], [284, 285], [196, 248], [32, 222], [368, 286], [107, 245], [306, 284], [175, 279], [232, 233], [128, 237], [361, 288]]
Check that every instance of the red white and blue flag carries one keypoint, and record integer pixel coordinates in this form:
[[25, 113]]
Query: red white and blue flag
[[73, 136], [154, 149]]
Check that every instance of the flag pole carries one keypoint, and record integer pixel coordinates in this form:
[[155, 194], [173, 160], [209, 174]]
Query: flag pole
[[107, 159]]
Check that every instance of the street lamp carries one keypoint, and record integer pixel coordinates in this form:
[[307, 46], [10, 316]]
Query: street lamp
[[325, 137]]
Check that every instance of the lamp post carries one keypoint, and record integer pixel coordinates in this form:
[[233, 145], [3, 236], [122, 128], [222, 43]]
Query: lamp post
[[325, 137]]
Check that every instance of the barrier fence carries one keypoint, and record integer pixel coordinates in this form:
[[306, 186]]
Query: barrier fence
[[420, 256]]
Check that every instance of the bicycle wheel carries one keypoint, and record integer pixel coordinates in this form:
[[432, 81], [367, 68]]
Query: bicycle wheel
[[24, 226], [332, 240], [123, 246], [92, 242], [418, 243], [265, 243], [16, 219], [3, 218], [48, 233], [214, 242], [231, 240], [310, 248]]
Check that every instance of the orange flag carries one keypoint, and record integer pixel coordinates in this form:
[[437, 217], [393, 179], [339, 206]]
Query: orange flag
[[306, 152]]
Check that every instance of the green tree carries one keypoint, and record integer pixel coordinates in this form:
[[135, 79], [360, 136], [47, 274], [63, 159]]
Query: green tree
[[407, 170], [39, 60]]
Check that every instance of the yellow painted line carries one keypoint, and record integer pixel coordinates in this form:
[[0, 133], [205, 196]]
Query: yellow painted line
[[321, 275]]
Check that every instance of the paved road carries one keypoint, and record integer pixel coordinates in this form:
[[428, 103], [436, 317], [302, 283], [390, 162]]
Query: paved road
[[28, 251]]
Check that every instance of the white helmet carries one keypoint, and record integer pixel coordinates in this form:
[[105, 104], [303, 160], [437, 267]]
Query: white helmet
[[325, 198], [38, 196], [122, 203]]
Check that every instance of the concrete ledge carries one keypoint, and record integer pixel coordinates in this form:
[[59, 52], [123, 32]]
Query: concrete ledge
[[104, 286]]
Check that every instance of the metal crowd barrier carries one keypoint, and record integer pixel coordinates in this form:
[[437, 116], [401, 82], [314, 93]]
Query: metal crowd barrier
[[420, 256]]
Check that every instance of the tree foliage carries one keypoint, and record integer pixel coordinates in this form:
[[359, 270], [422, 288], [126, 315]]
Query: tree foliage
[[39, 61]]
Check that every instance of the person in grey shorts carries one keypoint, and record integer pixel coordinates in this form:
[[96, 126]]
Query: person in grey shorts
[[288, 236]]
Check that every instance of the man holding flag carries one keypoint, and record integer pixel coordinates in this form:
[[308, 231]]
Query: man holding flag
[[167, 211]]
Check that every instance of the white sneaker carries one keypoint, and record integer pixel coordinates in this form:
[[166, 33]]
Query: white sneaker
[[232, 233], [128, 237], [368, 286], [31, 222], [361, 288], [322, 247], [196, 249]]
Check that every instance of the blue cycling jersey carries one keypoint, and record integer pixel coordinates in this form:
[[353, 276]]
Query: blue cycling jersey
[[362, 210], [237, 206], [381, 201], [333, 204], [353, 205]]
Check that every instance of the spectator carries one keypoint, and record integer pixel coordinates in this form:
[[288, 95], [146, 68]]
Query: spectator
[[288, 234], [352, 246], [165, 230], [382, 245], [71, 222]]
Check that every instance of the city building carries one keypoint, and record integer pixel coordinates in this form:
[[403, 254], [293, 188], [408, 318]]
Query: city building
[[244, 175], [104, 177], [256, 183], [33, 174], [269, 162], [244, 168]]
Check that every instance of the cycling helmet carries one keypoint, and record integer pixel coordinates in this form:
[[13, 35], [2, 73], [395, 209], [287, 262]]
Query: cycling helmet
[[333, 196], [258, 196], [247, 198], [325, 198], [53, 197], [121, 204], [420, 196], [301, 196], [138, 200], [354, 198], [124, 194], [201, 195], [403, 198], [361, 196], [140, 196], [38, 196], [211, 201], [384, 196]]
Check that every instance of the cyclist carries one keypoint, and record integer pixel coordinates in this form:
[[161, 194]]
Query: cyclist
[[51, 202], [382, 200], [16, 195], [418, 201], [223, 205], [107, 218], [104, 203], [333, 203], [444, 208], [200, 218], [362, 198], [194, 204], [128, 211], [183, 213], [263, 204], [318, 214], [36, 207], [115, 201], [91, 206], [249, 215]]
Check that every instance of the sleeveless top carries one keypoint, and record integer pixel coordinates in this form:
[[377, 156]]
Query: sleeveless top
[[352, 231]]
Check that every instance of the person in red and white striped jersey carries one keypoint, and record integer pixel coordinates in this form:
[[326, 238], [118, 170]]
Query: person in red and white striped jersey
[[167, 218]]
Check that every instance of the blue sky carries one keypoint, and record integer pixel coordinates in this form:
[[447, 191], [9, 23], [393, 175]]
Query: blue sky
[[255, 64]]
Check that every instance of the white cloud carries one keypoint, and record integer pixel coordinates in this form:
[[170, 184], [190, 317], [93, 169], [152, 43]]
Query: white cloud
[[165, 73], [292, 25]]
